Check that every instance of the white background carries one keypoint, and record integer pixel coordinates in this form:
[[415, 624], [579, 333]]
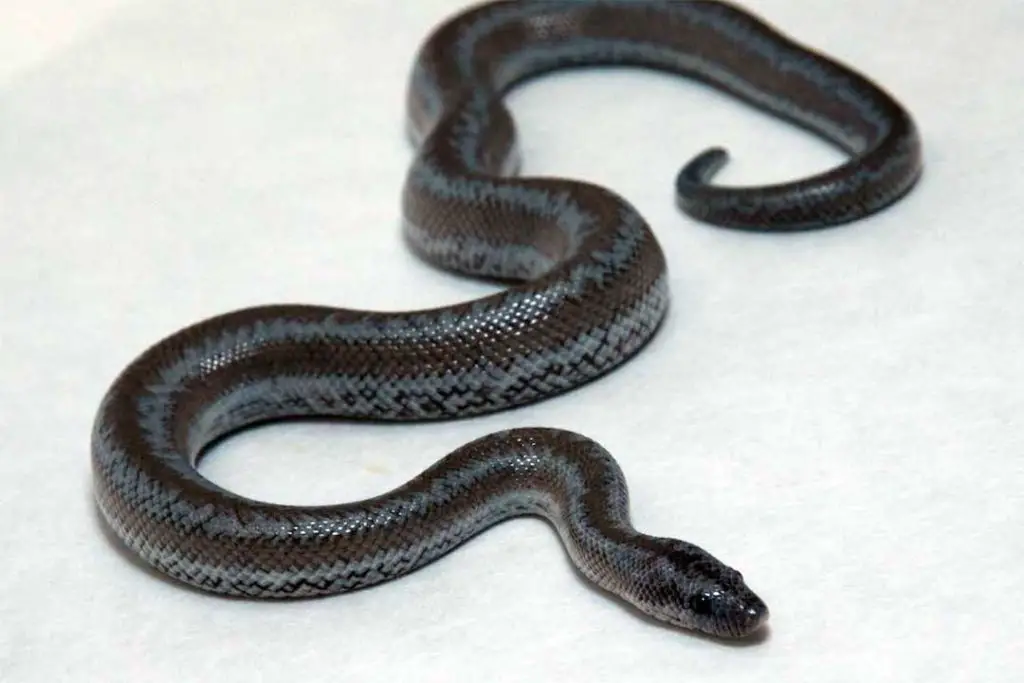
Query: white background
[[837, 414]]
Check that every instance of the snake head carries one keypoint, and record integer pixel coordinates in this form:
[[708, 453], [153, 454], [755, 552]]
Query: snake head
[[689, 588]]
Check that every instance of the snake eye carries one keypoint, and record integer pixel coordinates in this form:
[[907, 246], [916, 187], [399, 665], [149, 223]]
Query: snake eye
[[701, 604]]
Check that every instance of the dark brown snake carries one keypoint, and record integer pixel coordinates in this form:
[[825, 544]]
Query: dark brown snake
[[588, 288]]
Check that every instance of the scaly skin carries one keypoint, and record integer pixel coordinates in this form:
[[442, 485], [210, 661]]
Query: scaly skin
[[588, 288]]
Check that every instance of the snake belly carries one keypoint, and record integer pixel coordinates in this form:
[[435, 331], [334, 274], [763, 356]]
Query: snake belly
[[588, 288]]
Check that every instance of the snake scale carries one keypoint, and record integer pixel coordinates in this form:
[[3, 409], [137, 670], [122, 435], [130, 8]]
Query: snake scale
[[587, 288]]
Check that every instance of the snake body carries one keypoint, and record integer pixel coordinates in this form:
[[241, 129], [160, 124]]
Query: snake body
[[587, 289]]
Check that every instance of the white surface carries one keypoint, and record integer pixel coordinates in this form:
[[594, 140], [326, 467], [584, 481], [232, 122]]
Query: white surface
[[837, 414]]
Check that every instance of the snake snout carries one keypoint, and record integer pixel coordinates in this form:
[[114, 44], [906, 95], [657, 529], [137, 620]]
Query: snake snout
[[749, 616]]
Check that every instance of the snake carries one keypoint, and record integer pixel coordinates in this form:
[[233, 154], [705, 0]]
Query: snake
[[584, 287]]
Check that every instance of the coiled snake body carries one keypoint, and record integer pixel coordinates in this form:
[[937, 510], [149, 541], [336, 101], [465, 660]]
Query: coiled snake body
[[588, 290]]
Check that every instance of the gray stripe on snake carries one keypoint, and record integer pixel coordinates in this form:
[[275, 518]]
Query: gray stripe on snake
[[587, 288]]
